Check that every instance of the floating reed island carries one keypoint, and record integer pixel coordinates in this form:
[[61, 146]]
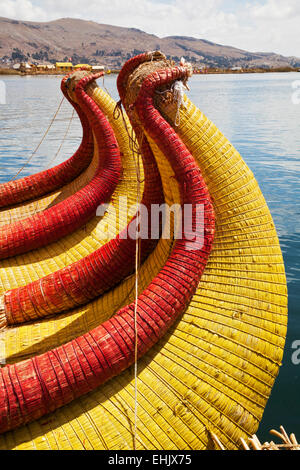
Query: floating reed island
[[110, 341]]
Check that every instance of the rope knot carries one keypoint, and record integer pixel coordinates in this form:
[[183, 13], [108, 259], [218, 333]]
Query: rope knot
[[178, 90], [118, 110]]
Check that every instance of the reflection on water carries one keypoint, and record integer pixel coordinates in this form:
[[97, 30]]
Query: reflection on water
[[254, 111]]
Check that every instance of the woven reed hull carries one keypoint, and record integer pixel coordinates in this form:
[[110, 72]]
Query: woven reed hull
[[215, 369], [21, 270], [17, 191], [35, 193], [24, 210], [62, 219]]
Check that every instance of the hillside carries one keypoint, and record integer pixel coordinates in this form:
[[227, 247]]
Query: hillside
[[87, 41]]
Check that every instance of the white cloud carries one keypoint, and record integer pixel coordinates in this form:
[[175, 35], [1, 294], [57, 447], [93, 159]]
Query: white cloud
[[276, 10], [263, 25], [23, 9], [275, 25]]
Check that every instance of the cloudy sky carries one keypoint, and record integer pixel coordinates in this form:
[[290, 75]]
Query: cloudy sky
[[259, 25]]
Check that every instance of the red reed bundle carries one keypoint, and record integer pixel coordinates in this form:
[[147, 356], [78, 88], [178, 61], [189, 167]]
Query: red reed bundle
[[33, 186], [88, 278], [39, 385], [63, 218]]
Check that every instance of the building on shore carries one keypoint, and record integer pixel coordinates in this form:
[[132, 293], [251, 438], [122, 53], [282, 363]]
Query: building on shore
[[22, 66], [98, 68], [64, 66], [45, 67], [82, 66]]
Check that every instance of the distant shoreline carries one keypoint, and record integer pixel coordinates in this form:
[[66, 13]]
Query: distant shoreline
[[8, 71]]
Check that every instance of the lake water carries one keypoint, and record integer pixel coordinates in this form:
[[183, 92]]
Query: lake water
[[256, 112]]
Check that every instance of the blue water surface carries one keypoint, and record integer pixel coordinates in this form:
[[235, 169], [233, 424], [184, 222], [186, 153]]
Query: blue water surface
[[257, 114]]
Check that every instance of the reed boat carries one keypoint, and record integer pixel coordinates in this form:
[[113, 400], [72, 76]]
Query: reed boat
[[113, 342]]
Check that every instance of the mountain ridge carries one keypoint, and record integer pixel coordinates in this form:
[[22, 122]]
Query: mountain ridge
[[89, 41]]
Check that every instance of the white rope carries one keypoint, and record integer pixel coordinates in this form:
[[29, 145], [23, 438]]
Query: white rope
[[62, 142], [137, 263], [135, 149], [40, 143], [55, 156]]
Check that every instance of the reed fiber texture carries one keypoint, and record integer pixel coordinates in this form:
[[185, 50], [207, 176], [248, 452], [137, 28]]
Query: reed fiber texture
[[42, 384], [89, 277], [215, 369], [65, 217], [37, 264]]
